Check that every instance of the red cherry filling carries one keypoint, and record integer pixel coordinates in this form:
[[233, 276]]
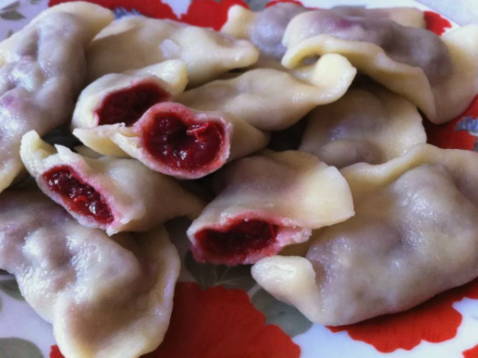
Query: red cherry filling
[[128, 105], [180, 145], [77, 195], [237, 241]]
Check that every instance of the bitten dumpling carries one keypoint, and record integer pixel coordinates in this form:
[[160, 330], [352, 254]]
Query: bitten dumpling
[[108, 193], [414, 235], [266, 28], [438, 74], [175, 140], [118, 100], [267, 202], [271, 99], [42, 69], [135, 41], [368, 124], [106, 298]]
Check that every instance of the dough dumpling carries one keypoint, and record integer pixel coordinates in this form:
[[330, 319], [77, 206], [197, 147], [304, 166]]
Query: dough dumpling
[[77, 277], [134, 42], [267, 202], [266, 28], [438, 74], [175, 140], [368, 124], [42, 69], [414, 235], [118, 100], [112, 194], [271, 99], [263, 28]]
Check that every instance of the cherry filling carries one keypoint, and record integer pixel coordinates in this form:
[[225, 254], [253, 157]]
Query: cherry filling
[[180, 145], [128, 105], [236, 242], [78, 196]]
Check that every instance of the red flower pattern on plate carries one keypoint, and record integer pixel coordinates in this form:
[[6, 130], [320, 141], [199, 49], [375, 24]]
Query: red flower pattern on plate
[[55, 352], [434, 321], [471, 353], [206, 13], [209, 13], [218, 323], [152, 8], [436, 23], [448, 136]]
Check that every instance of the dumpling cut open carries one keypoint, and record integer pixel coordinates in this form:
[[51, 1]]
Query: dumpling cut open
[[271, 99], [176, 140], [77, 278], [414, 235], [134, 42], [268, 202], [438, 74], [368, 124], [118, 100], [42, 69], [108, 193]]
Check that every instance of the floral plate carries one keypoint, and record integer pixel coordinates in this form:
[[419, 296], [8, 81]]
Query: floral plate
[[220, 312]]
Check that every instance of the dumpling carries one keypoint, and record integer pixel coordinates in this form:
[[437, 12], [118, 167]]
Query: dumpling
[[267, 202], [173, 139], [263, 28], [107, 193], [266, 28], [76, 277], [438, 74], [134, 42], [405, 16], [414, 235], [413, 46], [271, 99], [117, 100], [42, 69], [367, 124]]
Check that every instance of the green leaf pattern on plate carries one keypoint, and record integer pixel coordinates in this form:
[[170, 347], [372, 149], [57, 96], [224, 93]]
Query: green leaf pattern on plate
[[11, 12], [12, 6], [257, 4], [280, 314], [239, 277], [18, 348], [208, 275], [10, 287], [15, 14]]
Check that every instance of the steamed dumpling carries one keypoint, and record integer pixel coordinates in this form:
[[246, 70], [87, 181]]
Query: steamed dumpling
[[267, 202], [266, 28], [438, 74], [76, 277], [271, 99], [113, 194], [42, 69], [135, 41], [118, 100], [368, 124], [414, 235]]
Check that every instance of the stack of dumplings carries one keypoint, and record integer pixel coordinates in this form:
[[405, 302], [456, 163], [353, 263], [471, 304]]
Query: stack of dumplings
[[362, 218]]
